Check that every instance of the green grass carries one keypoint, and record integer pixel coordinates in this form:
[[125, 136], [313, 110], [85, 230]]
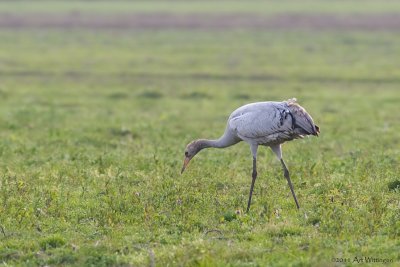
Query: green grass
[[94, 126], [208, 6]]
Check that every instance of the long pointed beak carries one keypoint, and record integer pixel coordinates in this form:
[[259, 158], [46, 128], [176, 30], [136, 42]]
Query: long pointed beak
[[185, 163]]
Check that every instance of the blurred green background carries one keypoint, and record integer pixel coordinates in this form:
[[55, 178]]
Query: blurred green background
[[98, 100]]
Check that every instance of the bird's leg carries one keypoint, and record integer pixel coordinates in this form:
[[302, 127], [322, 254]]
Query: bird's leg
[[287, 176], [278, 152], [254, 176], [254, 149]]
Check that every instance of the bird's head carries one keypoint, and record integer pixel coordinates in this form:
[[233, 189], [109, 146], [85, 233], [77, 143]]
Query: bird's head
[[190, 151]]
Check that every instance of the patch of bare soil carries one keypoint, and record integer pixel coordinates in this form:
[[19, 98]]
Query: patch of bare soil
[[370, 22]]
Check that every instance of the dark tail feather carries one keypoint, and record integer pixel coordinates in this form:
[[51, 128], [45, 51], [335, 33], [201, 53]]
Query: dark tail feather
[[317, 128]]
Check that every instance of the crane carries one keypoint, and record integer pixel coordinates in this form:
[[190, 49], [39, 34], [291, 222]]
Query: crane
[[262, 123]]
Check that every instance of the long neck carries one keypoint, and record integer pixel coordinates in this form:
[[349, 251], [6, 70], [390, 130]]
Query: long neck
[[224, 141]]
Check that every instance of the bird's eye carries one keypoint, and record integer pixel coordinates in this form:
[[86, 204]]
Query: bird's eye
[[186, 154]]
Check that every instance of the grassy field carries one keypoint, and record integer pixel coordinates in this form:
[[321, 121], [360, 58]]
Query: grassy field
[[208, 6], [94, 122]]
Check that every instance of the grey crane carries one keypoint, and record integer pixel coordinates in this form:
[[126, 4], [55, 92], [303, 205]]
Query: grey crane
[[262, 123]]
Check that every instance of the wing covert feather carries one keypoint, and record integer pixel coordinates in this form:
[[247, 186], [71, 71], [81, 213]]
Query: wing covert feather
[[254, 124]]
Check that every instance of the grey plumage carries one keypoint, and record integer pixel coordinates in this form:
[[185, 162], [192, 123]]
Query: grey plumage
[[269, 123], [262, 123]]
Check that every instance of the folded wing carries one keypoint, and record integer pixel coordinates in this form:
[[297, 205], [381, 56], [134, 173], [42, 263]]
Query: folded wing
[[263, 123]]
